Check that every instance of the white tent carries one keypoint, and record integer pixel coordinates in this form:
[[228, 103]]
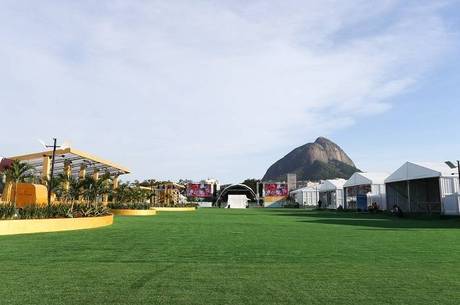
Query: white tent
[[371, 185], [421, 170], [306, 196], [366, 178], [422, 187], [237, 201], [331, 193]]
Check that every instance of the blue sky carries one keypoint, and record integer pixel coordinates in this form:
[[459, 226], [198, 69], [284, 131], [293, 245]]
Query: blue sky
[[181, 89], [422, 125]]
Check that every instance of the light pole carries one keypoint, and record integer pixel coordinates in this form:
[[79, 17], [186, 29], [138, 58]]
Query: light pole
[[452, 166], [257, 192], [50, 184], [458, 167]]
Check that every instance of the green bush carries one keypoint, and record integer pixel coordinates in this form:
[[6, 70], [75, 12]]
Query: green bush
[[191, 205], [33, 211], [7, 211], [130, 205]]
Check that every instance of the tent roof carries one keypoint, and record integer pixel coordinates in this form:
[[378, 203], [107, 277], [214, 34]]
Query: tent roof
[[421, 170], [305, 189], [331, 185], [76, 159], [366, 178]]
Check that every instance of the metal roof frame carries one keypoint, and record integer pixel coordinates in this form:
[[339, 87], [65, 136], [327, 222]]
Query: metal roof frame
[[76, 159]]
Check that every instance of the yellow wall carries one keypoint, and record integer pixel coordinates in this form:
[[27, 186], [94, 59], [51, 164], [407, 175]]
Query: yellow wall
[[10, 227], [127, 212]]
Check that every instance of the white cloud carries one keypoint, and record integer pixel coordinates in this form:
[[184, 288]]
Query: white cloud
[[179, 89]]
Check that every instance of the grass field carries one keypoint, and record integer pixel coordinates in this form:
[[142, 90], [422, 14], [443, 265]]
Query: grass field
[[255, 256]]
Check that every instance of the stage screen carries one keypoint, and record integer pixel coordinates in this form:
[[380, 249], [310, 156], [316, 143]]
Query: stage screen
[[199, 190], [276, 189]]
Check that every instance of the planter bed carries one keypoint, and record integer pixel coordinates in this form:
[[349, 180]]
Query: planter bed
[[27, 226], [132, 212], [174, 209]]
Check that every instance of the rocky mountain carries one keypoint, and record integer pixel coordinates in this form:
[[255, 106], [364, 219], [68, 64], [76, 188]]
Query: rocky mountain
[[322, 159]]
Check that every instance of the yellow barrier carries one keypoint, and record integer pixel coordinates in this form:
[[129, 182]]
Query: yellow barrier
[[128, 212], [166, 209], [26, 226]]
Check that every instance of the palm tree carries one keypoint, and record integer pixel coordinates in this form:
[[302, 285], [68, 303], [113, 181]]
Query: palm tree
[[122, 193], [16, 173], [55, 186], [75, 189], [93, 188], [68, 189]]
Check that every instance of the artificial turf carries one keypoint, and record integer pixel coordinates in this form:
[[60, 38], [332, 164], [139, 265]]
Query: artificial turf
[[253, 256]]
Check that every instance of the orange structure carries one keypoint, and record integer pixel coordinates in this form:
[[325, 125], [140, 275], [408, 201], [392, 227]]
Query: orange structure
[[26, 194]]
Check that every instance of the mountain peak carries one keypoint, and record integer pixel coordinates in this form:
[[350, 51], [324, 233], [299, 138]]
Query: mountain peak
[[322, 159], [322, 140]]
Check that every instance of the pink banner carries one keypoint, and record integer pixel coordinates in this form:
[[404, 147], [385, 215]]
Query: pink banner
[[276, 189], [199, 190]]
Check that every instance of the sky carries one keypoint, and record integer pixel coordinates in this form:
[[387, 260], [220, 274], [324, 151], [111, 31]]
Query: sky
[[222, 89]]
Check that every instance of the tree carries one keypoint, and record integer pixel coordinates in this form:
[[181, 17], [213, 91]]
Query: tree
[[68, 189], [94, 188], [252, 183], [16, 173], [46, 181], [131, 193], [121, 193], [184, 181]]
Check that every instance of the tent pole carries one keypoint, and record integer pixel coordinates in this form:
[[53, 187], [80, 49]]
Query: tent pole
[[458, 167], [408, 195]]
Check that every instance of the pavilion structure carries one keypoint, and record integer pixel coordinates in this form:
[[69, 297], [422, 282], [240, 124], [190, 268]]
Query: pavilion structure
[[72, 162]]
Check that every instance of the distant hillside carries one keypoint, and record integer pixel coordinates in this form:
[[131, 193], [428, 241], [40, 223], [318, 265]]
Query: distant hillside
[[322, 159]]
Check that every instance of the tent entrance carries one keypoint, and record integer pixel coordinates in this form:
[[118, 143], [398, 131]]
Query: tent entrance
[[361, 202], [420, 196]]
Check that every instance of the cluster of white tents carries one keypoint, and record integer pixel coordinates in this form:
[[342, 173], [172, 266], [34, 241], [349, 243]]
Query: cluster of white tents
[[414, 188]]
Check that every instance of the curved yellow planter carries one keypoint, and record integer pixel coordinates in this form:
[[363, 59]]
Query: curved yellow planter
[[165, 209], [26, 226], [128, 212]]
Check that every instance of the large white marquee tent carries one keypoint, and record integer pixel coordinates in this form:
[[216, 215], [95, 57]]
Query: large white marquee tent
[[423, 188]]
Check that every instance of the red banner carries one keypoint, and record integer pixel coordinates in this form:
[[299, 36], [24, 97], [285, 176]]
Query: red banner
[[199, 190], [5, 164], [276, 189]]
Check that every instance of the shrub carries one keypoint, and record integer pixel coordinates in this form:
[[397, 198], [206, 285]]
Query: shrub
[[90, 210], [33, 211], [191, 205], [7, 211], [130, 205]]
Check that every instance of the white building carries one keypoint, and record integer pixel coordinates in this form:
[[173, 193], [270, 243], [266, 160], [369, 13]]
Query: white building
[[306, 196], [424, 188], [331, 193], [363, 189]]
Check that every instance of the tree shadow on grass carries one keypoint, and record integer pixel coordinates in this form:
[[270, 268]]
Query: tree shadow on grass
[[367, 220]]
